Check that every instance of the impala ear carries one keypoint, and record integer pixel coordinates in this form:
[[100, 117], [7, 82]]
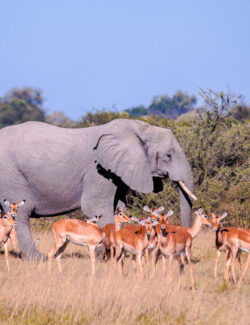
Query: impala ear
[[146, 208], [124, 155], [161, 208], [142, 222], [134, 219], [170, 212], [148, 219], [200, 211], [224, 214], [21, 203], [154, 223], [6, 202], [155, 213]]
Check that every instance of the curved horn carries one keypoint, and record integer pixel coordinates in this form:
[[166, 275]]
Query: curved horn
[[185, 189]]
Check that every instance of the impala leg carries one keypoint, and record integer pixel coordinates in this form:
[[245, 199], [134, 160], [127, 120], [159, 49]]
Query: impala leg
[[6, 253], [154, 253], [239, 262], [119, 259], [134, 262], [216, 262], [181, 271], [57, 250], [227, 262], [188, 254], [169, 267], [112, 254], [147, 261], [234, 250], [105, 252], [139, 263], [164, 259], [59, 254], [245, 269], [13, 238], [92, 257], [183, 259]]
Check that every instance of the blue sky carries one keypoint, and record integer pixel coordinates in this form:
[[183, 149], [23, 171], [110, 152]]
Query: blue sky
[[88, 55]]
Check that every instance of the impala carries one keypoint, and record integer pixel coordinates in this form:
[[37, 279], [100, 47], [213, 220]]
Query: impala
[[77, 232], [174, 244], [233, 241], [200, 219], [134, 242], [13, 210], [109, 232], [7, 223]]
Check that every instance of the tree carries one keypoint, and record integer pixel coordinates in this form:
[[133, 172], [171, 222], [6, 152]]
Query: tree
[[179, 104], [100, 117], [137, 111], [21, 105], [32, 96], [59, 119]]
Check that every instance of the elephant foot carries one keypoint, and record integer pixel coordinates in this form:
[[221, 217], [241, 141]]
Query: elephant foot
[[100, 253], [33, 255]]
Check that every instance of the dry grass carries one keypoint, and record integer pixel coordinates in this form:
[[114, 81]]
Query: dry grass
[[29, 295]]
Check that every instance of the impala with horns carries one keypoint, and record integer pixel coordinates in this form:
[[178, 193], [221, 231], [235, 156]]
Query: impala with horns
[[175, 243]]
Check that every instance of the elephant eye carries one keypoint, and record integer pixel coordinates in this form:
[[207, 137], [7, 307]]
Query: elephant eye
[[169, 155]]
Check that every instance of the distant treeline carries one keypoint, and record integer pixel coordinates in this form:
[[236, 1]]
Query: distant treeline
[[215, 139]]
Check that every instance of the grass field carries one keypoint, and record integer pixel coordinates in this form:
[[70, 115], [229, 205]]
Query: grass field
[[29, 295]]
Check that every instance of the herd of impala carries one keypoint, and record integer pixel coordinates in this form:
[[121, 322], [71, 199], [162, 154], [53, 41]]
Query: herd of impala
[[150, 236]]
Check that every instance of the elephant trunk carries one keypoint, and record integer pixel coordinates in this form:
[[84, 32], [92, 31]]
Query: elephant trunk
[[185, 195], [26, 244]]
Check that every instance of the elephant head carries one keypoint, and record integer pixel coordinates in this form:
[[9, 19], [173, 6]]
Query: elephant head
[[137, 152]]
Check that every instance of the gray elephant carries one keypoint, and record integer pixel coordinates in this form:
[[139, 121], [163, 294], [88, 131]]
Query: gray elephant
[[57, 170]]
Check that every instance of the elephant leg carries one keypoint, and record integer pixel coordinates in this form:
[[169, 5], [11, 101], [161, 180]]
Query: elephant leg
[[98, 198], [26, 244]]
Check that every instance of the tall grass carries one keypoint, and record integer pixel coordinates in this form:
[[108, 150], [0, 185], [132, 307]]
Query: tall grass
[[29, 295]]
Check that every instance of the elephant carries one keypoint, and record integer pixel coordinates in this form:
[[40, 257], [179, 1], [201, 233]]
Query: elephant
[[57, 170]]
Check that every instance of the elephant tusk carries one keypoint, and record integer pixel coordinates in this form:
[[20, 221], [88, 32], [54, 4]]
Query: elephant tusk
[[185, 189]]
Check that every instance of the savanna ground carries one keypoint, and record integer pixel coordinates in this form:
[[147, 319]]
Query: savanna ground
[[29, 295]]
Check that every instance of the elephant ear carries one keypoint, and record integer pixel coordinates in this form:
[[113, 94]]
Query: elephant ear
[[124, 156]]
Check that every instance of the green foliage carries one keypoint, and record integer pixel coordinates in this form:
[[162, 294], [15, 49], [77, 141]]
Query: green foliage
[[100, 117], [165, 106], [59, 119], [32, 96], [241, 113], [179, 104], [20, 106], [137, 111]]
